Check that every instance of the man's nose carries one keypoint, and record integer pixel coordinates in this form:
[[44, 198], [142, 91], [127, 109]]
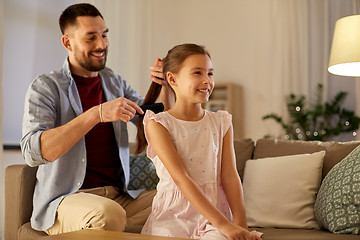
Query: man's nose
[[102, 43]]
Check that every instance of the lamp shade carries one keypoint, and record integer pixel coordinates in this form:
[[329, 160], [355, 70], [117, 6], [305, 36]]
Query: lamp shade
[[345, 49]]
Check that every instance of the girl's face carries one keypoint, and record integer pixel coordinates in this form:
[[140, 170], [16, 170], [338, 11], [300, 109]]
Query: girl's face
[[194, 82]]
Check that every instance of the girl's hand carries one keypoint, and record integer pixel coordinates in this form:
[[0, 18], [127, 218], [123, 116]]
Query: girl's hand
[[234, 232]]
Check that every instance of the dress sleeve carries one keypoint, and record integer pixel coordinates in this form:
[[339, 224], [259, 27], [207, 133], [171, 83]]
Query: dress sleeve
[[150, 115], [226, 120]]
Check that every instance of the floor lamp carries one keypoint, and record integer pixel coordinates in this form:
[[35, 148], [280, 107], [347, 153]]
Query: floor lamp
[[345, 50]]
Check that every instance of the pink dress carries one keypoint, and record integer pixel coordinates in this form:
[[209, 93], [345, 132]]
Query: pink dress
[[199, 144]]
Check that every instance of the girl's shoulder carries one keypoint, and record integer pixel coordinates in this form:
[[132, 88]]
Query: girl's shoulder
[[220, 118], [161, 118], [219, 114], [156, 116]]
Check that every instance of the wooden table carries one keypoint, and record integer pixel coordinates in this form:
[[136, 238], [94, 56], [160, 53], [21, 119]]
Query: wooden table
[[88, 234]]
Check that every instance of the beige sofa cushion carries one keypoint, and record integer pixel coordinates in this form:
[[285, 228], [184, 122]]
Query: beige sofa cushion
[[302, 234], [335, 151], [243, 151], [281, 191]]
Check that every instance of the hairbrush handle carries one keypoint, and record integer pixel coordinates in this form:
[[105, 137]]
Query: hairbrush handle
[[155, 107]]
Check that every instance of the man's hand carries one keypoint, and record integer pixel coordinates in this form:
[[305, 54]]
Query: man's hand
[[53, 143], [156, 72], [119, 109], [167, 96]]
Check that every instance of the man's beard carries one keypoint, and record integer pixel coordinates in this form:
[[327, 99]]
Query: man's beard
[[88, 65]]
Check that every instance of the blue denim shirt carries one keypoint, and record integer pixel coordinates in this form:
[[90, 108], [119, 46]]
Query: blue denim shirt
[[51, 101]]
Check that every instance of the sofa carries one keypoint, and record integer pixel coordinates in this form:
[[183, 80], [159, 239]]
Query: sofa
[[250, 159]]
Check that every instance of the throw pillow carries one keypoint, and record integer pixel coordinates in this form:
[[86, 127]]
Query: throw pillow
[[280, 191], [142, 173], [337, 206]]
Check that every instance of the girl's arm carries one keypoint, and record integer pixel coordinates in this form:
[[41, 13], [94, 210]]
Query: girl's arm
[[162, 144], [231, 181]]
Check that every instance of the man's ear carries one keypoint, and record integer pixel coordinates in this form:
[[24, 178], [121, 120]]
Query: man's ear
[[171, 79], [65, 39]]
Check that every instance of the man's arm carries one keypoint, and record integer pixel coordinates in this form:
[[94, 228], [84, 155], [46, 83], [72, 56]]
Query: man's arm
[[57, 141]]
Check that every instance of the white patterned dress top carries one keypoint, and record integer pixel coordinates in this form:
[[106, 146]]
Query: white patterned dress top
[[199, 144]]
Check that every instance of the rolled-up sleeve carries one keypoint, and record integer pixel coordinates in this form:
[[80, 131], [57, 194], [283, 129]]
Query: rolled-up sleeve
[[39, 116]]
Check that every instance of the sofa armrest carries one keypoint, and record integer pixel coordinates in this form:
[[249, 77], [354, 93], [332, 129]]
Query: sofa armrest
[[19, 189]]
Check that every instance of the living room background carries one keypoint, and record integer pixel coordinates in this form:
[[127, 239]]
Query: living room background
[[269, 47]]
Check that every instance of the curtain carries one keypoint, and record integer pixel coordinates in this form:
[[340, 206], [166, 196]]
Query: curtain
[[337, 10], [301, 41], [289, 55]]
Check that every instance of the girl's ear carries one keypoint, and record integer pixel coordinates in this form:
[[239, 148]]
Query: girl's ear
[[171, 79], [65, 39]]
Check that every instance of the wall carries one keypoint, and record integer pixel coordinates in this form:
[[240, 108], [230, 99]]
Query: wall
[[237, 34], [31, 46], [2, 190]]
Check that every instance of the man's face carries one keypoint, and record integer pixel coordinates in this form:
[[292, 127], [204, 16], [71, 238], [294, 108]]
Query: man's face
[[89, 45]]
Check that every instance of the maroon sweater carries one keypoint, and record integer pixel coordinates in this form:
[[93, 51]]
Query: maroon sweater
[[103, 163]]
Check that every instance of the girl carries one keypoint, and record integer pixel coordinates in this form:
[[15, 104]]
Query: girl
[[199, 194]]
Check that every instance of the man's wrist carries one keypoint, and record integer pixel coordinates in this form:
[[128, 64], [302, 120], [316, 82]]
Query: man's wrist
[[100, 113]]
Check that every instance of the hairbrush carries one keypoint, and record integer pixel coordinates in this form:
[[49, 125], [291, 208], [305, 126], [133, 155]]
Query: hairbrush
[[155, 107]]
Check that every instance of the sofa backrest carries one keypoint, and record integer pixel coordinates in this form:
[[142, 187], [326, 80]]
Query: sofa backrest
[[243, 151], [335, 151]]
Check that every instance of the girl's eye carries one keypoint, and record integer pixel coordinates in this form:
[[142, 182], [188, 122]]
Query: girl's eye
[[211, 74]]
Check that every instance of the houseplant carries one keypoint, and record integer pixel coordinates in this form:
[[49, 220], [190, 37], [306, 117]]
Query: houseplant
[[321, 121]]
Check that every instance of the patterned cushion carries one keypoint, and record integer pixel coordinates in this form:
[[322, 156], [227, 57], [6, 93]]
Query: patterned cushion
[[337, 207], [142, 173]]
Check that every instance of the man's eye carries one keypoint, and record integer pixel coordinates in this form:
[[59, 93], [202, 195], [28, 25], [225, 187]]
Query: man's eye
[[104, 36], [197, 73]]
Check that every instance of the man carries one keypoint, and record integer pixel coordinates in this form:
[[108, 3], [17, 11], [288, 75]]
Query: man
[[74, 129]]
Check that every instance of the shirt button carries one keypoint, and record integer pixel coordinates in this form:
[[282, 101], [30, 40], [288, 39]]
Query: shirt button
[[83, 160], [79, 183]]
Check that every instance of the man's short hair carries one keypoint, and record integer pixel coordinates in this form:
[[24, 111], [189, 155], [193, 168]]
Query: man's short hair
[[69, 15]]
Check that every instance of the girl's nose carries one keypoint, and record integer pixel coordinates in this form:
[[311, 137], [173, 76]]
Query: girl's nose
[[208, 79]]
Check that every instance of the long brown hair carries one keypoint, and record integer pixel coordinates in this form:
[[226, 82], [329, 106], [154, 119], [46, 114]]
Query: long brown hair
[[172, 63]]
